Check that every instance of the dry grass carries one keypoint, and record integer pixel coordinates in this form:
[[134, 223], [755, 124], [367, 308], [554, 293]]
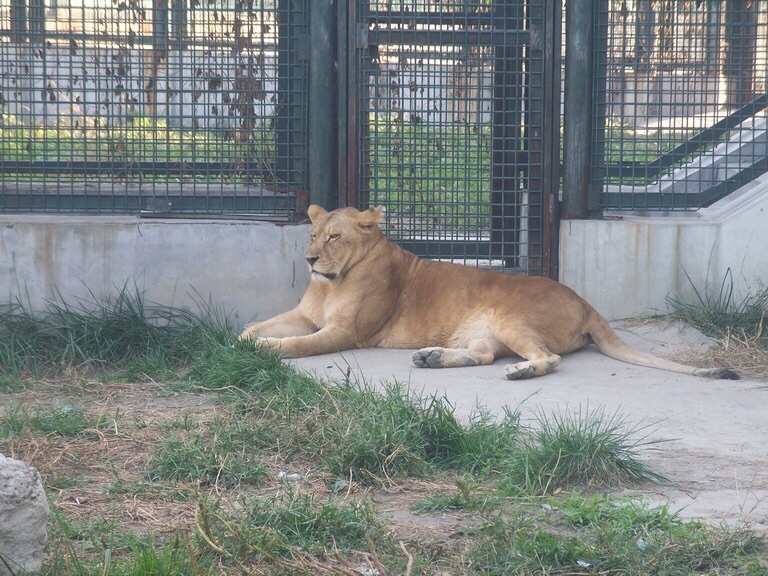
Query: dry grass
[[98, 475], [745, 355], [84, 476], [745, 352]]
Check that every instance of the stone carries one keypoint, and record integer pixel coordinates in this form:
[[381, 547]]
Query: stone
[[23, 518]]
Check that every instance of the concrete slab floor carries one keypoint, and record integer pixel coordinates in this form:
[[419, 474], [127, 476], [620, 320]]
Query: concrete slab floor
[[715, 452]]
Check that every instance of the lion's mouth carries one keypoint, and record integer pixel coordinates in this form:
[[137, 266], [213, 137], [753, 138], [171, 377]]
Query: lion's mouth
[[326, 275]]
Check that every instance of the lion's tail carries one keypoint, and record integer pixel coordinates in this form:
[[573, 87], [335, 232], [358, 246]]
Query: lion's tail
[[609, 343]]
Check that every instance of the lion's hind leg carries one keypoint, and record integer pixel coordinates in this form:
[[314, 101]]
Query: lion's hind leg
[[537, 362], [478, 353]]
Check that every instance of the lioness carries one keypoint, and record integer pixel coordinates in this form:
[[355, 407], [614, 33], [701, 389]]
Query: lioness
[[367, 292]]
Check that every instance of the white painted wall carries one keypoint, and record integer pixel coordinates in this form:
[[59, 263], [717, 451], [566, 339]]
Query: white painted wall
[[625, 267], [631, 266], [251, 269]]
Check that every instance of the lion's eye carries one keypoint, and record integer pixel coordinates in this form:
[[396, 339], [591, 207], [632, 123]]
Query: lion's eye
[[333, 237], [312, 237]]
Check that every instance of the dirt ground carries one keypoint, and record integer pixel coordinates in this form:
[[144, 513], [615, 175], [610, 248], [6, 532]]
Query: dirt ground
[[714, 432]]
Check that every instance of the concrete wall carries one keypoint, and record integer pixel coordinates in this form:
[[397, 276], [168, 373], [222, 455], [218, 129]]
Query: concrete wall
[[626, 267], [251, 269], [631, 266]]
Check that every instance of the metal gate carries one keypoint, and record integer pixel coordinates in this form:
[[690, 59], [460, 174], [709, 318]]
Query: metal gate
[[452, 123], [153, 106], [448, 115], [680, 102]]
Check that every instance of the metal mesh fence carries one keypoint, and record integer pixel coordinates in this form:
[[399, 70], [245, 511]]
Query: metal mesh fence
[[680, 100], [453, 128], [138, 105]]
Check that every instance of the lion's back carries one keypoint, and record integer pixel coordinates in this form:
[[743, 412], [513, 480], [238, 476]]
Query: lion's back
[[445, 304]]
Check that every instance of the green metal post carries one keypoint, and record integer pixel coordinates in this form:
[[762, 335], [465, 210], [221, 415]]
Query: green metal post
[[322, 154], [578, 108]]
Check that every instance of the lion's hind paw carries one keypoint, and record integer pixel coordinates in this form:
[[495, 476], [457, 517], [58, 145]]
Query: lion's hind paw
[[519, 371], [428, 358]]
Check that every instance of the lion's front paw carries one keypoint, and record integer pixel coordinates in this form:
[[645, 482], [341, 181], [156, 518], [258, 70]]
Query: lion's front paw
[[429, 358], [249, 334], [269, 343], [261, 341]]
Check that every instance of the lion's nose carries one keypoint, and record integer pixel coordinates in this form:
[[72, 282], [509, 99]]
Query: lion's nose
[[311, 259]]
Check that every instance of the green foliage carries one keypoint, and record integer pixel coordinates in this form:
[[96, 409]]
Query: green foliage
[[573, 448], [355, 429], [722, 312], [483, 445], [222, 452], [172, 559], [51, 420], [468, 496], [240, 365], [122, 553], [10, 383], [136, 139], [441, 178], [396, 431], [375, 435], [123, 331], [23, 341], [297, 520], [601, 535]]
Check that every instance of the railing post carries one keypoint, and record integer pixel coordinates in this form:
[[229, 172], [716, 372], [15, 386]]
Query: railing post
[[578, 108], [293, 61], [322, 153]]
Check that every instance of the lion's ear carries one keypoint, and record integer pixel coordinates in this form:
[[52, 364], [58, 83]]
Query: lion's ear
[[372, 217], [314, 212]]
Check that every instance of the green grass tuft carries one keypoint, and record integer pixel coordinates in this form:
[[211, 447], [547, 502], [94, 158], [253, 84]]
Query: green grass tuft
[[599, 535], [10, 383], [121, 331], [468, 496], [293, 531], [298, 520], [222, 452], [172, 559], [580, 448], [52, 420], [723, 312]]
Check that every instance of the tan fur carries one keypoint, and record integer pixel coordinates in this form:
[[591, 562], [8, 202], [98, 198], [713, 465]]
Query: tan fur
[[367, 292]]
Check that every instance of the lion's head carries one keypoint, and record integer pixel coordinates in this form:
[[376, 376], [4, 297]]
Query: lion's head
[[340, 239]]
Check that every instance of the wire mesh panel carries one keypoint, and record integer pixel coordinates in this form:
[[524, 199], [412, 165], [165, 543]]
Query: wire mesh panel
[[140, 105], [680, 99], [453, 127]]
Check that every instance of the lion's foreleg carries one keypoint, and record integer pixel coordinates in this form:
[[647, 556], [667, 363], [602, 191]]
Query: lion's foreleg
[[291, 323], [325, 341]]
